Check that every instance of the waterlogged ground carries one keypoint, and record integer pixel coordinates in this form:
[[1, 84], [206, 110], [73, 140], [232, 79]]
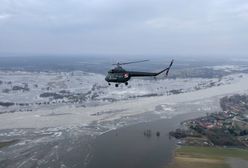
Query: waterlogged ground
[[62, 134], [71, 146]]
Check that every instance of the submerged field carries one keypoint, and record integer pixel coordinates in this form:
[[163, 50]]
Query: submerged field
[[205, 157], [54, 116], [7, 143]]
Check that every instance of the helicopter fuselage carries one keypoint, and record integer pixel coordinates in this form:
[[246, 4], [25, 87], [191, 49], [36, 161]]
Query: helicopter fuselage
[[118, 75]]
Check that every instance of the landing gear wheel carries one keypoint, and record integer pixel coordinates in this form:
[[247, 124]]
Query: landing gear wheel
[[126, 83], [116, 85], [109, 84]]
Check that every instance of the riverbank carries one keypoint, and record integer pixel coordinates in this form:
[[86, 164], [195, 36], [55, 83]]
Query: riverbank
[[215, 140], [209, 157]]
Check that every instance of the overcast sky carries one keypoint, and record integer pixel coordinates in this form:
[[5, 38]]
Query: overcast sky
[[133, 27]]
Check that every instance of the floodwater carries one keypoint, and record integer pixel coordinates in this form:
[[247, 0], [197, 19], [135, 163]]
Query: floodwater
[[129, 147]]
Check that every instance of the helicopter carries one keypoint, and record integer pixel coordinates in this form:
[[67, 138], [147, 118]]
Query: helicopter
[[119, 75]]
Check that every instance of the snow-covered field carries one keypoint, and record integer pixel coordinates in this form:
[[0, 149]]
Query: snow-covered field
[[230, 68], [49, 90], [50, 134], [192, 90]]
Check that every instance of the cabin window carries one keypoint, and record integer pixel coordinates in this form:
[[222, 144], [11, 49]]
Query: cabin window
[[115, 75]]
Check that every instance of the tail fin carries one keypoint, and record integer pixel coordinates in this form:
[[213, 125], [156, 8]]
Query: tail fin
[[168, 70]]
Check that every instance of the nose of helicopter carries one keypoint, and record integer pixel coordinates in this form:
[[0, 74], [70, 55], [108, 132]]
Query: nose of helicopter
[[107, 78]]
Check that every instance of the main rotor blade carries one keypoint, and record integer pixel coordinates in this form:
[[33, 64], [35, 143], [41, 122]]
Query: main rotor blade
[[125, 63]]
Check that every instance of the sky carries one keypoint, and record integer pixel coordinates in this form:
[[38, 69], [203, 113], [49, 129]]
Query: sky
[[131, 27]]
